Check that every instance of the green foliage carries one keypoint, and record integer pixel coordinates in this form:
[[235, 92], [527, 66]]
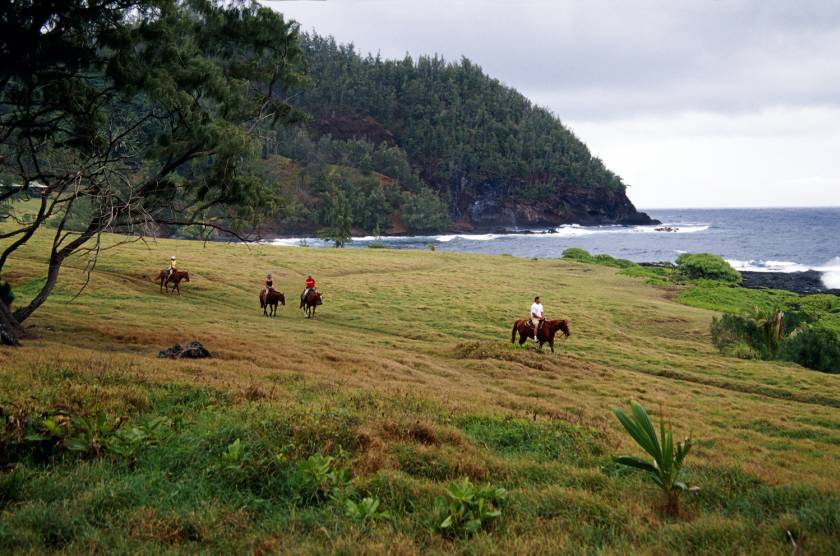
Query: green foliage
[[44, 436], [815, 348], [460, 127], [583, 256], [696, 266], [339, 219], [424, 212], [775, 334], [233, 458], [365, 510], [667, 457], [762, 331], [319, 477], [137, 115], [466, 509]]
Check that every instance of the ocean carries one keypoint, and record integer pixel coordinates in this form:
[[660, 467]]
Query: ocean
[[763, 240]]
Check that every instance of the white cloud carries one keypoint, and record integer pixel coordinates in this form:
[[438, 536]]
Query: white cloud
[[779, 157]]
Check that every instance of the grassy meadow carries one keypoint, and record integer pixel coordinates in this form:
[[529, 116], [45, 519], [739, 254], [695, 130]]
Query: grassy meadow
[[406, 376]]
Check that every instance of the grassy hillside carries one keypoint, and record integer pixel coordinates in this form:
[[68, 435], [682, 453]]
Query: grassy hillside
[[406, 376]]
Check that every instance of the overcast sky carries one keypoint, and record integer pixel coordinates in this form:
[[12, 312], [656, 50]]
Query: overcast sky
[[695, 104]]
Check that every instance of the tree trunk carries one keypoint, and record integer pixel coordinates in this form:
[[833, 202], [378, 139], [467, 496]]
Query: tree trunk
[[10, 329], [52, 277]]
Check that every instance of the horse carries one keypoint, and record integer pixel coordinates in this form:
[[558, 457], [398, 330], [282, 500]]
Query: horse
[[175, 278], [308, 304], [269, 302], [546, 332]]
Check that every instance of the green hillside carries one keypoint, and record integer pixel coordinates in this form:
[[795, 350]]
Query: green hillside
[[407, 378], [461, 146]]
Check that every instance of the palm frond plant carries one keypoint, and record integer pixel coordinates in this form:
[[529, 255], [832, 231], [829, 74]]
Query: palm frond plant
[[668, 458]]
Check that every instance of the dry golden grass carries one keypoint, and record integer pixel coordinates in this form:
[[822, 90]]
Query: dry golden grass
[[417, 340]]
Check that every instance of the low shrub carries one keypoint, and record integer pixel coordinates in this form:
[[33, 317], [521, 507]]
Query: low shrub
[[365, 510], [583, 256], [696, 266], [467, 509], [777, 335], [816, 348]]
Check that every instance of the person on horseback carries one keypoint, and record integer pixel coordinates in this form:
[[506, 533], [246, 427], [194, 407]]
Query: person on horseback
[[310, 286], [536, 315], [172, 264], [269, 284]]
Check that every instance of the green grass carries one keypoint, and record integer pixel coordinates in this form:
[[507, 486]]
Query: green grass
[[408, 377]]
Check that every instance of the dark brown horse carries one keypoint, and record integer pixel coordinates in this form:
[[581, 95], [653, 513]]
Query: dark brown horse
[[174, 279], [545, 334], [308, 303], [269, 302]]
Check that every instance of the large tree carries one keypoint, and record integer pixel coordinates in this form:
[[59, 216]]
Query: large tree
[[128, 115]]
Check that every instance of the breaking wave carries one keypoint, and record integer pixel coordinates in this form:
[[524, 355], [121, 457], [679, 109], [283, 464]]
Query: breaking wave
[[830, 270]]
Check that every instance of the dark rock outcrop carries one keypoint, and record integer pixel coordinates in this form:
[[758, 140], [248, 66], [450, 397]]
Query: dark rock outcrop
[[492, 207], [801, 282], [193, 350]]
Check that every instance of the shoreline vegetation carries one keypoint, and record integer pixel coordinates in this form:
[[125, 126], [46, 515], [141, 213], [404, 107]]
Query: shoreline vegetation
[[757, 322], [387, 422]]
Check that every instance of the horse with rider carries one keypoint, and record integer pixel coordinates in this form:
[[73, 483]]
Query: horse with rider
[[538, 328]]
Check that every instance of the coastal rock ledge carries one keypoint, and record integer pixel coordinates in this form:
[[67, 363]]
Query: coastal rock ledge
[[488, 211]]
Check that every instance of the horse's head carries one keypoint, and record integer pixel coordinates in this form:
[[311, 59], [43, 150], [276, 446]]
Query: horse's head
[[187, 276], [282, 298], [564, 327]]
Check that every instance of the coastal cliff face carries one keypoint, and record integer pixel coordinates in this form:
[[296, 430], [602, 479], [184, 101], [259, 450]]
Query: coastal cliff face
[[488, 210]]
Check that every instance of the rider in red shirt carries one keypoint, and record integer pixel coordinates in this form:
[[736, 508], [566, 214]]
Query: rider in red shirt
[[310, 283]]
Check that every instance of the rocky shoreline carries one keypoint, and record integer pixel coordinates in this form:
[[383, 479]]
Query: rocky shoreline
[[800, 282]]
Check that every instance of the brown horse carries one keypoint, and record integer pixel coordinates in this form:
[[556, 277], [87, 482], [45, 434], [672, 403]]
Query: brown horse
[[269, 302], [174, 278], [308, 303], [545, 334]]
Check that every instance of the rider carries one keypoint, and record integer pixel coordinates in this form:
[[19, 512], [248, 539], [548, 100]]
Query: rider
[[536, 315], [269, 283], [310, 286], [171, 270]]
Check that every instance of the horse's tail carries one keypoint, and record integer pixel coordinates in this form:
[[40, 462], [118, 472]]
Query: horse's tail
[[513, 332]]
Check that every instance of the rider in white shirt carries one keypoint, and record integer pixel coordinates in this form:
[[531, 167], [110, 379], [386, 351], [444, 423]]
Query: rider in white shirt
[[536, 315]]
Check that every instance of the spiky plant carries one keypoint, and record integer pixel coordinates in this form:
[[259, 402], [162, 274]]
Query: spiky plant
[[668, 457]]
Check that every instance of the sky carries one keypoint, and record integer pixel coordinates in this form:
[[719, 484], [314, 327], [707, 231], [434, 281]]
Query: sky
[[695, 104]]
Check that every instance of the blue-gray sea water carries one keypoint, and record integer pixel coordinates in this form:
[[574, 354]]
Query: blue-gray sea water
[[782, 240]]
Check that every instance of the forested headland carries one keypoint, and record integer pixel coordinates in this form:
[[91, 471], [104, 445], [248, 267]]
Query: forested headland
[[422, 145]]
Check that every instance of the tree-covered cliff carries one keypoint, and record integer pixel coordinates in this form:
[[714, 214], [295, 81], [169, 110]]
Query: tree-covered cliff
[[491, 156]]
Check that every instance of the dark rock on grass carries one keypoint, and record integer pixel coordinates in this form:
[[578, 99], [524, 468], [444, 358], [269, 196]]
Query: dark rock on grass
[[193, 350], [799, 282]]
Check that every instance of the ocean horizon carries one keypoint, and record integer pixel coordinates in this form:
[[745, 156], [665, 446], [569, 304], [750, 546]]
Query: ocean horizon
[[779, 239]]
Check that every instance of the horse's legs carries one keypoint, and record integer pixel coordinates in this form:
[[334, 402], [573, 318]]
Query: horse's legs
[[551, 345]]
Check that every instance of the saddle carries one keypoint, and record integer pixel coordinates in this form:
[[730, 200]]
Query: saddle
[[530, 324]]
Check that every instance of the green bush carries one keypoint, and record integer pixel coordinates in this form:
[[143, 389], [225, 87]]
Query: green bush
[[707, 266], [583, 256], [815, 348]]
